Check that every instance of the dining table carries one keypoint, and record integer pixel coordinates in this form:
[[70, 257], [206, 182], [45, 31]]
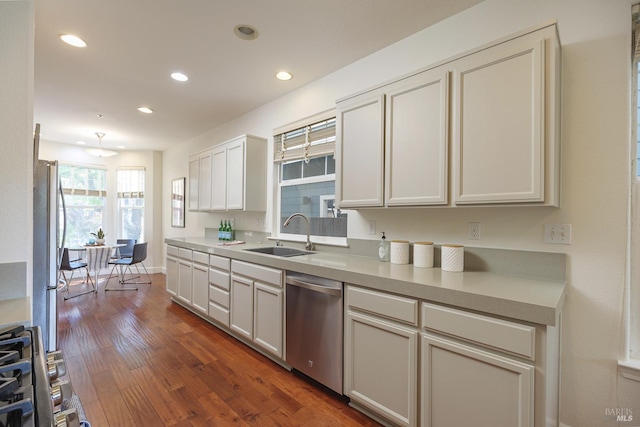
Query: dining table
[[96, 267]]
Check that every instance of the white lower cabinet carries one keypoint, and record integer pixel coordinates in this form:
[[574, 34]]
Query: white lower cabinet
[[219, 287], [267, 319], [242, 306], [185, 272], [464, 386], [257, 305], [200, 282], [171, 281], [381, 354]]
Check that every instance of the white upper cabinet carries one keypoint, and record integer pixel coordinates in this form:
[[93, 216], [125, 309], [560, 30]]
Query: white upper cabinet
[[486, 120], [234, 178], [200, 181], [392, 144], [194, 178], [505, 141], [360, 152], [416, 140], [219, 178]]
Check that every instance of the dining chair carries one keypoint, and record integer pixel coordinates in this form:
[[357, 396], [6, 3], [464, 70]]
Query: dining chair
[[124, 251], [122, 265], [66, 264], [97, 259]]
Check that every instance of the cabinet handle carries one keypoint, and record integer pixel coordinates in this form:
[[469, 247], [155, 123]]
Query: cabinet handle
[[314, 287]]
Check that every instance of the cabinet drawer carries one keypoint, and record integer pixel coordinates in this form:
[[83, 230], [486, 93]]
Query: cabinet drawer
[[393, 307], [219, 314], [185, 253], [219, 296], [201, 257], [219, 278], [219, 262], [172, 250], [258, 272], [501, 334]]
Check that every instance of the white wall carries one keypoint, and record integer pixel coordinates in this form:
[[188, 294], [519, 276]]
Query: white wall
[[596, 39], [16, 135], [150, 160]]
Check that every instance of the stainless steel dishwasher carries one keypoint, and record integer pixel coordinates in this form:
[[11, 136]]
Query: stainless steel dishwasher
[[314, 328]]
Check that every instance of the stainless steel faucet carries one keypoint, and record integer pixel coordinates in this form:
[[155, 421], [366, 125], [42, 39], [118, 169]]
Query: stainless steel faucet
[[309, 245]]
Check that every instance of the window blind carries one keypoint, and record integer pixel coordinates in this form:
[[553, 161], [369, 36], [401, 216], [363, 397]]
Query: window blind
[[307, 138], [130, 183]]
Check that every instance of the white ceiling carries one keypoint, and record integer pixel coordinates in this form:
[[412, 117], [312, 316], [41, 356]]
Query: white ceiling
[[133, 46]]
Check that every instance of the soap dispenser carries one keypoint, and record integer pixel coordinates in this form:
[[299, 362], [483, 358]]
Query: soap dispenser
[[384, 249]]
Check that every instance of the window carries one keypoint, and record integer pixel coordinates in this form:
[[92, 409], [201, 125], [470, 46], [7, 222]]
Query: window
[[304, 152], [85, 195], [130, 184]]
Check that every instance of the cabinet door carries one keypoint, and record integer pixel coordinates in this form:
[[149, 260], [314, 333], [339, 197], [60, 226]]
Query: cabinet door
[[381, 367], [235, 175], [219, 178], [200, 292], [184, 280], [204, 183], [416, 140], [194, 177], [242, 306], [267, 317], [172, 275], [499, 101], [464, 386], [360, 152]]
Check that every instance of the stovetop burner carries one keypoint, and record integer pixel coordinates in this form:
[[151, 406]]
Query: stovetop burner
[[32, 394], [17, 380]]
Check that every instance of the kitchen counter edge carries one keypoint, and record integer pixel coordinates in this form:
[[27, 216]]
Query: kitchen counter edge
[[526, 299]]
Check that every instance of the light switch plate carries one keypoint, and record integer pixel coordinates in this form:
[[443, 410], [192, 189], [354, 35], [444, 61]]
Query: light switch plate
[[557, 234]]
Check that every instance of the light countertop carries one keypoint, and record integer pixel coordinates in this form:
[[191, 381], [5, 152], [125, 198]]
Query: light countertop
[[536, 300]]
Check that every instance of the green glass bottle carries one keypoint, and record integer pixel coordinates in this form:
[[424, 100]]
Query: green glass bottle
[[220, 231]]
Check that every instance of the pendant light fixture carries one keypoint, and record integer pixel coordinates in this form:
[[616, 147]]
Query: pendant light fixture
[[99, 152]]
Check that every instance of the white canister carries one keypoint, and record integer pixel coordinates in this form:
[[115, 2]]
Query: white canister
[[399, 252], [452, 258], [423, 254]]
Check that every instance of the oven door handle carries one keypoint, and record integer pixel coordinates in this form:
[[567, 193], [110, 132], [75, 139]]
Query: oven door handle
[[314, 287]]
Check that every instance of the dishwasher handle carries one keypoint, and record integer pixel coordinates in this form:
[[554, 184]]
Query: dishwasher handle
[[314, 287]]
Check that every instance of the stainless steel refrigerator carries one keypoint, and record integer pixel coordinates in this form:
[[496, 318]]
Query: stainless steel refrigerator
[[48, 238]]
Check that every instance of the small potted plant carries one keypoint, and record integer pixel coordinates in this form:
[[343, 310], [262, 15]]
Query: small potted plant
[[99, 236]]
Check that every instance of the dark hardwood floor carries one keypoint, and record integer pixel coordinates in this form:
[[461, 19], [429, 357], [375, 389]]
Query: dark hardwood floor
[[137, 359]]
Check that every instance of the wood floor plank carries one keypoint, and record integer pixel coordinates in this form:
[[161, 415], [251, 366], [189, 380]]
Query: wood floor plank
[[136, 358]]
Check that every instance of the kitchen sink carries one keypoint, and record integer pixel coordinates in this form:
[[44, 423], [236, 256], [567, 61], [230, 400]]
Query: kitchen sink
[[280, 251]]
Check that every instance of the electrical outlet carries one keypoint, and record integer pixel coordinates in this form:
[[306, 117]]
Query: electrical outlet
[[372, 227], [557, 234], [473, 231]]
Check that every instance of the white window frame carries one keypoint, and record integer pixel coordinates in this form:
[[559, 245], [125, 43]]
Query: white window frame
[[278, 154], [132, 194], [73, 191]]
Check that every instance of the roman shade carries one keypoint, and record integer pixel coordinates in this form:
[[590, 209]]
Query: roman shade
[[130, 183]]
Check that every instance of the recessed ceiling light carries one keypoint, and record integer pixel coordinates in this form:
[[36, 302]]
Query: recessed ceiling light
[[245, 32], [179, 77], [121, 147], [81, 143], [284, 75], [72, 40], [145, 110]]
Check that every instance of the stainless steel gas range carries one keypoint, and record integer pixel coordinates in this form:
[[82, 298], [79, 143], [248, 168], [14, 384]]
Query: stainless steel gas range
[[33, 388]]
